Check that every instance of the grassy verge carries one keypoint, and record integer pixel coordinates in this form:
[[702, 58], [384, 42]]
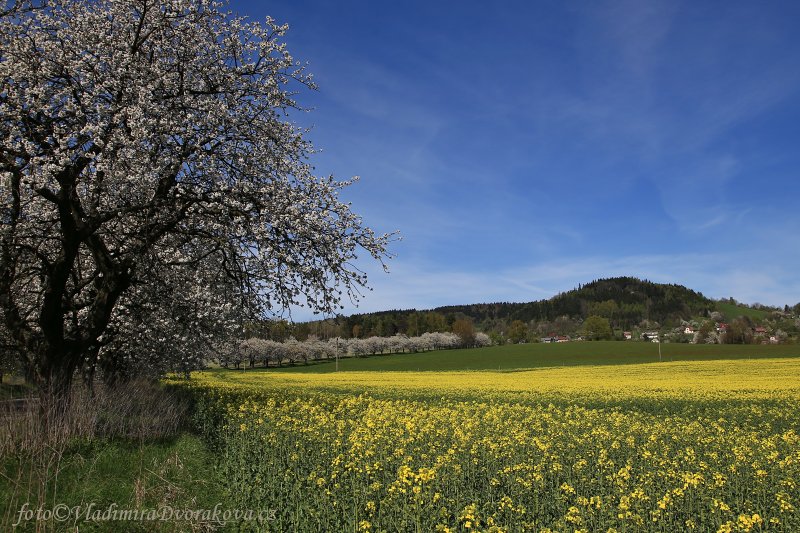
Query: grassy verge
[[117, 460], [90, 477]]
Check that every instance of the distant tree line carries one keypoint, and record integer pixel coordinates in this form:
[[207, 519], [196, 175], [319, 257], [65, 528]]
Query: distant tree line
[[625, 302], [265, 352]]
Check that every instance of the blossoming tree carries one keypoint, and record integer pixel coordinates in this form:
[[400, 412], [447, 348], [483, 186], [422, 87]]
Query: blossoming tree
[[154, 192]]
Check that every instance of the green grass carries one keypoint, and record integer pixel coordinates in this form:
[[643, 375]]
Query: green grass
[[511, 357], [178, 473], [732, 311]]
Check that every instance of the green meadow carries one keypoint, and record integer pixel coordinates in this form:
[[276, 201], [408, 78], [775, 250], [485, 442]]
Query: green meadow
[[536, 355]]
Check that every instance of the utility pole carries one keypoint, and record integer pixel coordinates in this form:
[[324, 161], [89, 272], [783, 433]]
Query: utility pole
[[659, 346]]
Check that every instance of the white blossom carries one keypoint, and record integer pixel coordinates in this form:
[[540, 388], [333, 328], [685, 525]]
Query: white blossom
[[482, 339], [153, 187]]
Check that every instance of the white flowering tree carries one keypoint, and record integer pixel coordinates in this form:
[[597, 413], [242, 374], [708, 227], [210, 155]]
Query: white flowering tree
[[153, 192], [440, 341], [398, 343], [318, 349], [357, 347], [482, 340], [255, 349], [277, 352]]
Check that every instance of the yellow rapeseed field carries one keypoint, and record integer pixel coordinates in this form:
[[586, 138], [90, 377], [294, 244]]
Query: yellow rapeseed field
[[690, 446], [763, 378]]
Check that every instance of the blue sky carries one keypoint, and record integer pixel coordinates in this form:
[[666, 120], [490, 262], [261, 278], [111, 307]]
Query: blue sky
[[522, 148]]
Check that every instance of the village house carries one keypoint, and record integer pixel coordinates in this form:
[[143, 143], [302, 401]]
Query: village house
[[555, 338], [651, 336]]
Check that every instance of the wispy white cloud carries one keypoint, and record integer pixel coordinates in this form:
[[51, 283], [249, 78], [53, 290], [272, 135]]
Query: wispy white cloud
[[717, 275], [712, 223], [636, 30], [516, 161]]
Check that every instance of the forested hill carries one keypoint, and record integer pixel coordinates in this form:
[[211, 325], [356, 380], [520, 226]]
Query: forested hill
[[625, 301]]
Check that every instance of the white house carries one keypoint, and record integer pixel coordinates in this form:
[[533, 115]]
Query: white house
[[650, 336]]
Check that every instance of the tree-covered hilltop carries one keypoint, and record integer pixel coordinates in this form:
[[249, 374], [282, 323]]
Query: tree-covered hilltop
[[625, 301]]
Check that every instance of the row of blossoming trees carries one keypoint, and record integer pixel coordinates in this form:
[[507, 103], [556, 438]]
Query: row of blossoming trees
[[265, 352]]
